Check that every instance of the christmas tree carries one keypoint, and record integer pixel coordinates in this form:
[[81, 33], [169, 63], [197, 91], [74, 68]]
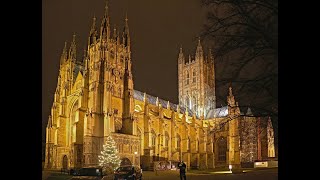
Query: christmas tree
[[109, 156]]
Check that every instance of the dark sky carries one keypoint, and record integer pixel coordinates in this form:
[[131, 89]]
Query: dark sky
[[157, 28]]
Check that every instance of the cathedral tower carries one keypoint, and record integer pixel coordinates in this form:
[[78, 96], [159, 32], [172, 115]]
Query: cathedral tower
[[197, 82]]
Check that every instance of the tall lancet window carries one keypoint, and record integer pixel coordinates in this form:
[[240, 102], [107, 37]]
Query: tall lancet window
[[187, 78], [178, 144], [194, 76], [153, 138], [222, 149], [197, 145], [188, 144], [166, 141], [73, 122], [56, 137], [194, 103]]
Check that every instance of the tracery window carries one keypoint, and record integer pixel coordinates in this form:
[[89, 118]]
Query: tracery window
[[153, 138], [222, 149], [166, 141]]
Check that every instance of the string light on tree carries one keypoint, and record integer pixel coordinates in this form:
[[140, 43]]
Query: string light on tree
[[109, 155]]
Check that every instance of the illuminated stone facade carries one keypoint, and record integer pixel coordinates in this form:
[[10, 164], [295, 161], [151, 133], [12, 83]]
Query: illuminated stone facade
[[95, 98]]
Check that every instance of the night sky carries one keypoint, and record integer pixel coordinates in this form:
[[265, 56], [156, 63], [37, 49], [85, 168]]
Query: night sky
[[157, 29]]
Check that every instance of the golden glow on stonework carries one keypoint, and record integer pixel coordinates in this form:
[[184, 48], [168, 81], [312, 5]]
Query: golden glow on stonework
[[95, 123]]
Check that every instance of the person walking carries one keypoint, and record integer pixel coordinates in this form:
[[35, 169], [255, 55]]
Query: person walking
[[182, 166]]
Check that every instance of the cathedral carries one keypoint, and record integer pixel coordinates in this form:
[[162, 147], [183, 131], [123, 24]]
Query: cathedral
[[95, 98]]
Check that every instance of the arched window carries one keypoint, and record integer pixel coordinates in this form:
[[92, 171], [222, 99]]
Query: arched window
[[194, 76], [65, 162], [194, 103], [73, 122], [197, 145], [222, 149], [187, 79], [166, 141], [178, 144], [187, 101], [74, 133], [153, 138], [56, 137]]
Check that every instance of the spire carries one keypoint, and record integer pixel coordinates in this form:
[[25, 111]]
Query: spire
[[199, 51], [157, 101], [118, 38], [93, 31], [189, 58], [168, 105], [210, 56], [85, 59], [49, 125], [230, 91], [84, 54], [249, 112], [93, 27], [115, 32], [65, 48], [105, 25], [126, 19], [106, 9], [72, 50], [64, 54], [144, 97], [181, 57], [126, 34], [230, 98]]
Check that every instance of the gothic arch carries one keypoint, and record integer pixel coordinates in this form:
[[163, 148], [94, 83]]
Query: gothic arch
[[178, 139], [137, 108], [222, 149], [70, 130], [72, 121], [166, 139], [64, 161], [197, 144], [188, 144], [153, 137], [194, 103]]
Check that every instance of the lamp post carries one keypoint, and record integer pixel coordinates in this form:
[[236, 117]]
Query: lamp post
[[230, 167], [136, 158]]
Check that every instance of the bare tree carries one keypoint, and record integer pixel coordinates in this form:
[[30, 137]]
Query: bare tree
[[244, 37]]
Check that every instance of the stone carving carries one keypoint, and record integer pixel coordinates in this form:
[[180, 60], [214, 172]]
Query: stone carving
[[130, 92], [109, 112], [109, 85], [115, 72], [92, 86]]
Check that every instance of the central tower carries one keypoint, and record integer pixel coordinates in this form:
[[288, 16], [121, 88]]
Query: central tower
[[197, 82]]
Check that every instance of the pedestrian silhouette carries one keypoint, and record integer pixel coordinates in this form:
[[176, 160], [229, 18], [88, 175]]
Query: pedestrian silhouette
[[182, 166]]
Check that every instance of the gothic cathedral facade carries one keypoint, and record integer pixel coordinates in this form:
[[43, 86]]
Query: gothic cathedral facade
[[95, 98]]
